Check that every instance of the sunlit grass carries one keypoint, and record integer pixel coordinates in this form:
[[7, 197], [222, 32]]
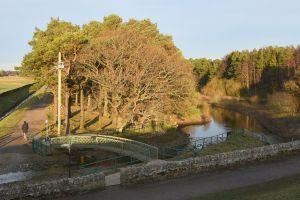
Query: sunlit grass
[[236, 141], [12, 82]]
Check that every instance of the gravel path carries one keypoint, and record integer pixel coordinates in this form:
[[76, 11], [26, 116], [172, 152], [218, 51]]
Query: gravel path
[[196, 185], [18, 151]]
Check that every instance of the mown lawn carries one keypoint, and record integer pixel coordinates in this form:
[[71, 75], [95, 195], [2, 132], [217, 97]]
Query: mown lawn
[[12, 82], [281, 189]]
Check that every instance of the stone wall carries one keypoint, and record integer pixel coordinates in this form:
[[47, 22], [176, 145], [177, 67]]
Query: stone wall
[[161, 170], [51, 189]]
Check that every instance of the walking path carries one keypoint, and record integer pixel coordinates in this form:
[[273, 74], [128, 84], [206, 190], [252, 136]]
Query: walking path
[[18, 151], [196, 185]]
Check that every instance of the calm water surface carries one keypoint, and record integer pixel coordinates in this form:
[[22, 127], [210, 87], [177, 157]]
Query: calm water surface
[[223, 121]]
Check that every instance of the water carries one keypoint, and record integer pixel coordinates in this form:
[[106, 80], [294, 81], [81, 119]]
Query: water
[[223, 121], [15, 176]]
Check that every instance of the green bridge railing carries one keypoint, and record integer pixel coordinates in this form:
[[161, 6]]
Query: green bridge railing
[[135, 149]]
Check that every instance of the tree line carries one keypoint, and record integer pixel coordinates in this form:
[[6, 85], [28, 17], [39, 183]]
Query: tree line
[[128, 71], [267, 69]]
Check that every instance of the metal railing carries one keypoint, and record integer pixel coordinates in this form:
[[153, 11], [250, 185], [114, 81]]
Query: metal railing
[[107, 165], [135, 149], [194, 144], [200, 143]]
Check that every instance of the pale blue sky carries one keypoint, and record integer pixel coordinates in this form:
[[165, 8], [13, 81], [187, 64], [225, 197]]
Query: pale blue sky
[[200, 28]]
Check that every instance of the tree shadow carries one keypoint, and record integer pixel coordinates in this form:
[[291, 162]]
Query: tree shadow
[[91, 122], [272, 79]]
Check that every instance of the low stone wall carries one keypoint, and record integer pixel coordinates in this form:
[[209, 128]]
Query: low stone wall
[[161, 170], [51, 189]]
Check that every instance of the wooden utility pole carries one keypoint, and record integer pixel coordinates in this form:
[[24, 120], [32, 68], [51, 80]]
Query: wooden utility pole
[[60, 66]]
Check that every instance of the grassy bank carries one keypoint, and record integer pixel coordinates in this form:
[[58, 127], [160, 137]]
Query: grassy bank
[[8, 123], [9, 101], [282, 189], [274, 121], [236, 141], [12, 82]]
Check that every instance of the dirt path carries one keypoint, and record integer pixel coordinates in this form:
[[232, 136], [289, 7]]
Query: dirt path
[[188, 187], [18, 151]]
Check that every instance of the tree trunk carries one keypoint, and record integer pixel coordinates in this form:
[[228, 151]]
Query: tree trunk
[[120, 124], [55, 108], [248, 79], [105, 106], [114, 112], [76, 99], [68, 111], [254, 74], [89, 102], [100, 106], [81, 110]]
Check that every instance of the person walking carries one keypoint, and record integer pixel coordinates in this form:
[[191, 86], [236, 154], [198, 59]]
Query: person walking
[[25, 128]]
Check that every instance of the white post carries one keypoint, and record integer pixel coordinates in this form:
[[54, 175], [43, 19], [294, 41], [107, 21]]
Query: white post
[[60, 66]]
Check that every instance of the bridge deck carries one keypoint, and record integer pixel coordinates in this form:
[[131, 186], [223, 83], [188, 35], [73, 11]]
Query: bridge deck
[[135, 149]]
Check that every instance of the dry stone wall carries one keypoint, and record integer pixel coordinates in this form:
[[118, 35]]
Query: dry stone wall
[[161, 170], [54, 188]]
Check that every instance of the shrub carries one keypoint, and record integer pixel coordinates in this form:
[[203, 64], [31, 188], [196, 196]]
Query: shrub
[[232, 87], [283, 102], [214, 88], [220, 87], [291, 86]]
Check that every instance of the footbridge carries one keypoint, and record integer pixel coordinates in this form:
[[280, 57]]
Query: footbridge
[[123, 146]]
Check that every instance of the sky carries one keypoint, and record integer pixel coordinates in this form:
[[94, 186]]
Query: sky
[[200, 28]]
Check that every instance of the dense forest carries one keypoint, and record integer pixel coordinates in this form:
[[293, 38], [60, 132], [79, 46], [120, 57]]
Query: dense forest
[[247, 73], [128, 71]]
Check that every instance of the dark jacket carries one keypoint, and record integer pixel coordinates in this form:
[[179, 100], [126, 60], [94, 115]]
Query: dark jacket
[[25, 127]]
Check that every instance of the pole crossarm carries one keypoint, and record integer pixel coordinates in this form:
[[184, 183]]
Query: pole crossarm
[[132, 148]]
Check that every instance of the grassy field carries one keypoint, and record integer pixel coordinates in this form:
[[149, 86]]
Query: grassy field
[[8, 123], [12, 82], [282, 189], [10, 100]]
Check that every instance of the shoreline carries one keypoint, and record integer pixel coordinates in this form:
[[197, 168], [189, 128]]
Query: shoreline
[[275, 126]]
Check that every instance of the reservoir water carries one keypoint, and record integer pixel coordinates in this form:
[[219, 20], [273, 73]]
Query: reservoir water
[[223, 121]]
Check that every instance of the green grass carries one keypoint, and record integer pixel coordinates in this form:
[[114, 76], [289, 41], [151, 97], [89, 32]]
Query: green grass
[[8, 123], [237, 141], [12, 82], [281, 189]]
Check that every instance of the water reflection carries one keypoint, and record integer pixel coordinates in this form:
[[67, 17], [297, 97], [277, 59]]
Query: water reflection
[[235, 120], [223, 121], [207, 130]]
